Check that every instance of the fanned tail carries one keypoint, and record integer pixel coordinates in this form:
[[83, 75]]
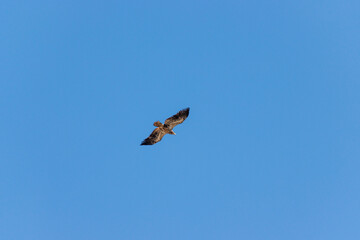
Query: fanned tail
[[157, 124]]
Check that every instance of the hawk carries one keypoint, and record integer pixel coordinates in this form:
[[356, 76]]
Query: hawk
[[166, 128]]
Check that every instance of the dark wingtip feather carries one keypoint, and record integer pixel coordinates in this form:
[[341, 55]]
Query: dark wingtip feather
[[146, 142], [186, 111]]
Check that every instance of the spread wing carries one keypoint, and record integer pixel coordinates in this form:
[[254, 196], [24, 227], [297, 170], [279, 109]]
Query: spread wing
[[178, 118], [154, 137]]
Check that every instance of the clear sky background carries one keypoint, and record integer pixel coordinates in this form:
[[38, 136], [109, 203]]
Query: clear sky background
[[271, 148]]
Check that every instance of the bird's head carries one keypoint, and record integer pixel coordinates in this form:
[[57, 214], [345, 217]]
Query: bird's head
[[172, 132]]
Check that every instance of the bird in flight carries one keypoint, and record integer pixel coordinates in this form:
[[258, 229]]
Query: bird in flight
[[166, 128]]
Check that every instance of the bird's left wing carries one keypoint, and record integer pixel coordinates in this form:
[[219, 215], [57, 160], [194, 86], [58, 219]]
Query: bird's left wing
[[154, 137]]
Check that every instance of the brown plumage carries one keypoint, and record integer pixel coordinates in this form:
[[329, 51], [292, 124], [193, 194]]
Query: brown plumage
[[166, 128]]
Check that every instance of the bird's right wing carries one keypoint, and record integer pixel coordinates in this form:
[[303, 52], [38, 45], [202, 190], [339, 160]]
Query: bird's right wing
[[154, 137], [178, 118]]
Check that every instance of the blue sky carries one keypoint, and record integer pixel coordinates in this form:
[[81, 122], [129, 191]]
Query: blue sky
[[270, 149]]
